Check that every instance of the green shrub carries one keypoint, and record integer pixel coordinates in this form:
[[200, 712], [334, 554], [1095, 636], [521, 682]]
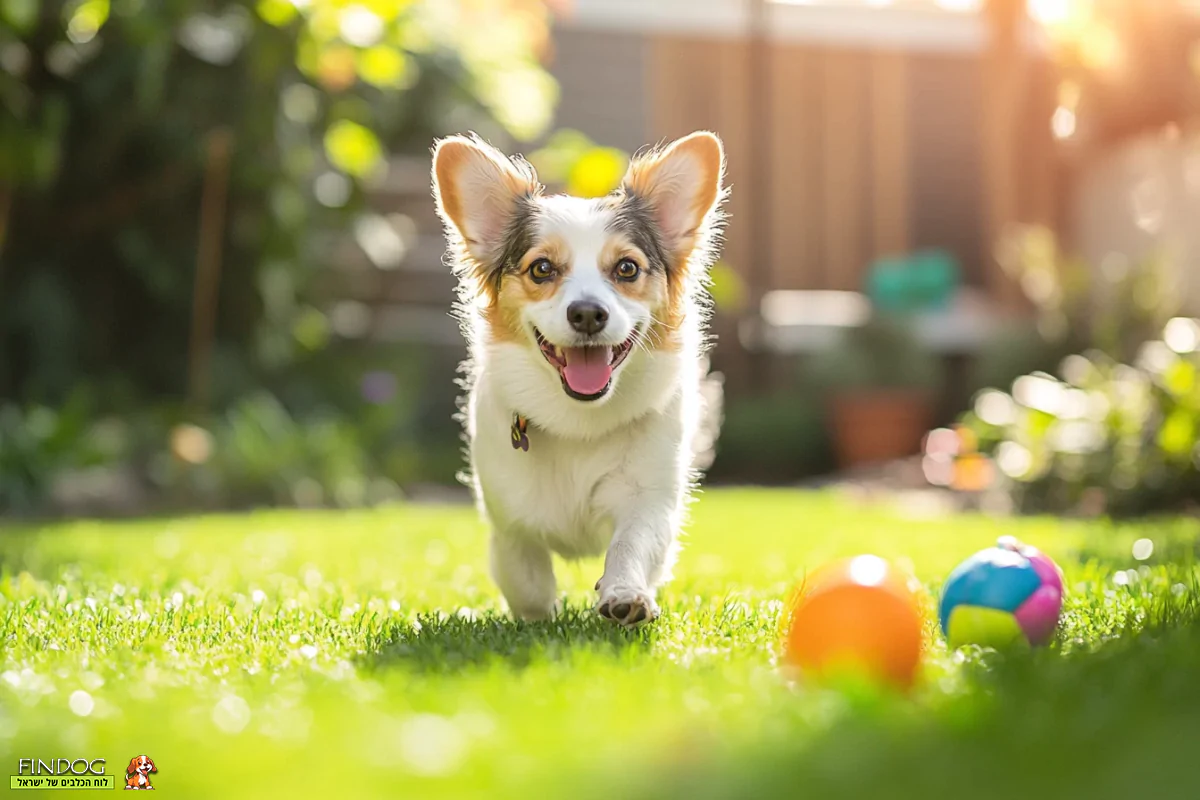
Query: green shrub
[[1105, 436], [354, 429], [884, 353], [1014, 351], [259, 454], [38, 444], [775, 438], [1112, 307]]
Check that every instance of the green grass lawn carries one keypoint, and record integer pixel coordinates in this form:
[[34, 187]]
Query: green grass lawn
[[366, 654]]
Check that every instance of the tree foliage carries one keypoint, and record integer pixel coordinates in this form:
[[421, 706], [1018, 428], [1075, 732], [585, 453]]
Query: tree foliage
[[107, 110]]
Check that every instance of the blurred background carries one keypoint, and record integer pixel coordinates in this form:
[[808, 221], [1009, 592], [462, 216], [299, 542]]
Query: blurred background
[[221, 278]]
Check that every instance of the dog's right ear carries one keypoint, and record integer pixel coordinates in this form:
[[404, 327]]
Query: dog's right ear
[[132, 768], [478, 189]]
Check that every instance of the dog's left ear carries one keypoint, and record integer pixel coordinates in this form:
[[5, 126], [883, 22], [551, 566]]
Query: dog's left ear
[[150, 761], [682, 183]]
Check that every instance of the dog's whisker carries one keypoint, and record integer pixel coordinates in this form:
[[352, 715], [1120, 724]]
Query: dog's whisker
[[652, 334]]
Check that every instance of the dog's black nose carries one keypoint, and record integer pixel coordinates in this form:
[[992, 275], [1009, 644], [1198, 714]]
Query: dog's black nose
[[587, 316]]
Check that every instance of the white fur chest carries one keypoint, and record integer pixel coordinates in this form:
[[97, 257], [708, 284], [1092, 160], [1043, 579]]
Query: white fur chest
[[565, 490], [547, 493]]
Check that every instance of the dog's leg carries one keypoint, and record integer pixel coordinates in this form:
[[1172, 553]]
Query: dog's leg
[[525, 574], [639, 559]]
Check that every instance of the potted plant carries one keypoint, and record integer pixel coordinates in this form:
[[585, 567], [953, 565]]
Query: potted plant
[[880, 387]]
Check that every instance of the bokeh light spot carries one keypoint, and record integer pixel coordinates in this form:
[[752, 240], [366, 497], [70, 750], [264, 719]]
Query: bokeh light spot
[[386, 67], [1143, 549], [191, 444], [360, 26], [995, 408], [87, 21], [431, 745], [1014, 459], [231, 714], [81, 703], [1182, 335], [331, 189], [1063, 123], [276, 12], [352, 148], [868, 570], [597, 172]]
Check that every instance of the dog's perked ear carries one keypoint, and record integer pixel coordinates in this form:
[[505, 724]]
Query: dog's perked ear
[[681, 183], [482, 197], [132, 768]]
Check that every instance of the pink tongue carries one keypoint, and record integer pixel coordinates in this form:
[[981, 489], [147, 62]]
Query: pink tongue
[[588, 370]]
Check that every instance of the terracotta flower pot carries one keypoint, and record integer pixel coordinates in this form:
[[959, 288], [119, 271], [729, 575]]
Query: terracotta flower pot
[[877, 425]]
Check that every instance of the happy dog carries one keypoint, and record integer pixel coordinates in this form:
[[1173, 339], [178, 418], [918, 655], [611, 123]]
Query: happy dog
[[585, 325]]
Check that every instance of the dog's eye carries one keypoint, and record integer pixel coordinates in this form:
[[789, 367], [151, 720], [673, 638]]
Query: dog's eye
[[627, 270], [541, 271]]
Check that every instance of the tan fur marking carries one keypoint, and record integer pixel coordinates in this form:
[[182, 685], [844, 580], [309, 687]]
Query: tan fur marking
[[503, 318], [503, 310], [649, 288], [669, 319], [554, 250], [652, 289]]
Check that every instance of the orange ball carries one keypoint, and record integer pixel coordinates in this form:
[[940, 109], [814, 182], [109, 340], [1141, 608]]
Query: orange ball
[[857, 617]]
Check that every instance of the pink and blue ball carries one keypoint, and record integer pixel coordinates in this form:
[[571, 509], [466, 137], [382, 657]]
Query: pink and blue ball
[[1008, 594]]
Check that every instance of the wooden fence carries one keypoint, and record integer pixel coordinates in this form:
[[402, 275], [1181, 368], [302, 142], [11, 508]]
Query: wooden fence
[[839, 156]]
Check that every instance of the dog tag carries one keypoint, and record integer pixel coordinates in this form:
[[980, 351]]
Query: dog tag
[[520, 433]]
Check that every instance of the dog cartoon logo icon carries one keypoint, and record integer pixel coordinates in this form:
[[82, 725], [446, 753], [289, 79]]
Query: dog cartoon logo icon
[[137, 774]]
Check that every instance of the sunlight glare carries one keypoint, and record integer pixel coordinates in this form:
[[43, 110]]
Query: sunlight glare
[[868, 570], [961, 6], [1063, 123], [1051, 12]]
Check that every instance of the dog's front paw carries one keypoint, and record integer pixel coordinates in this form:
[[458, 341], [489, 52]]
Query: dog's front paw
[[626, 605]]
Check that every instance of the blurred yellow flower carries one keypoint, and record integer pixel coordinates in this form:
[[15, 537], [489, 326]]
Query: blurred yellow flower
[[87, 20], [276, 12], [727, 289], [353, 148], [325, 23], [597, 172], [1177, 436], [386, 67], [311, 329], [554, 160]]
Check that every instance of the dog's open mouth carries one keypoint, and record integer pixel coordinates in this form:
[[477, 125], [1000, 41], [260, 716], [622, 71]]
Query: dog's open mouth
[[586, 372]]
